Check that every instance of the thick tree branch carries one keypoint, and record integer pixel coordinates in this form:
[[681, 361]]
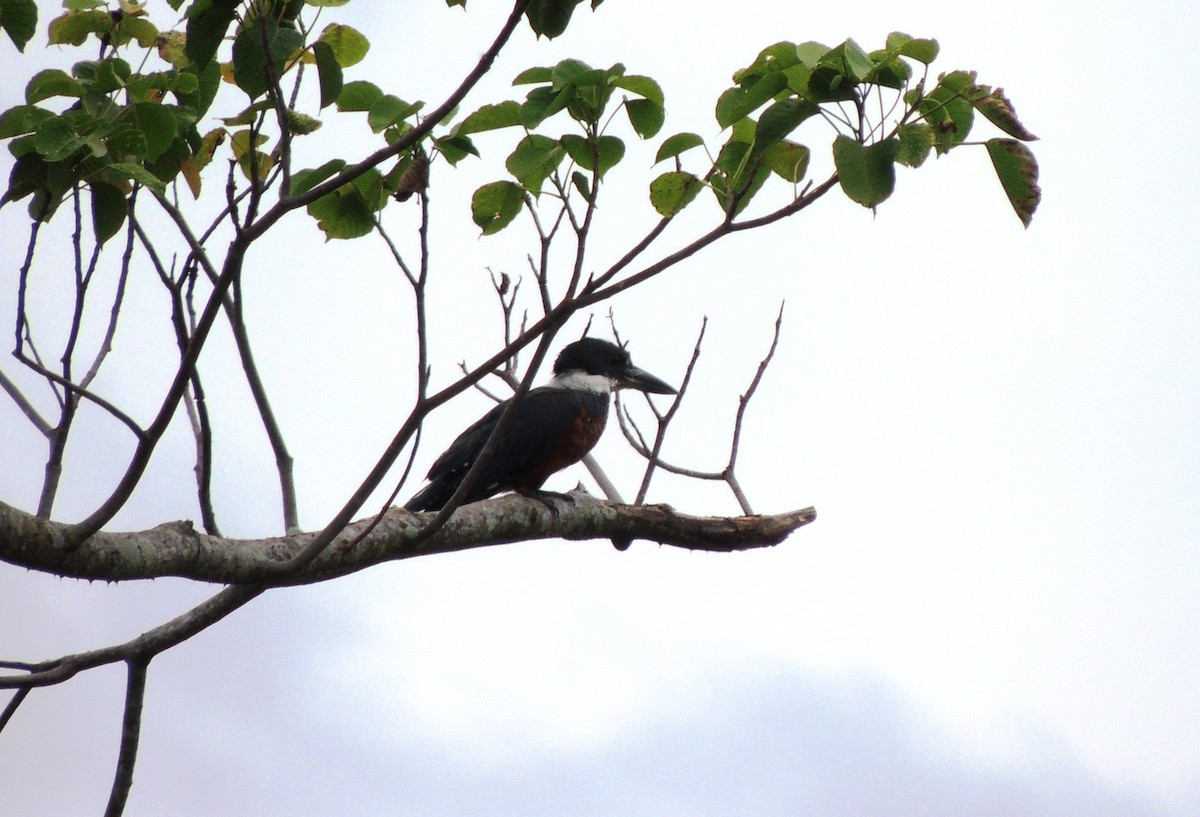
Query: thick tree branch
[[177, 549]]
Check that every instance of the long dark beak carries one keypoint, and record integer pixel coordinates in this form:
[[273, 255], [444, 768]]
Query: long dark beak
[[635, 378]]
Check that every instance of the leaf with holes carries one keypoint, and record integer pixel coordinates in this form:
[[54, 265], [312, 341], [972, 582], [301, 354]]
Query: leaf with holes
[[673, 191]]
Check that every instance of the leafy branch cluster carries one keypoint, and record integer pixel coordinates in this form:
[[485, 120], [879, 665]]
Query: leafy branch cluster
[[126, 141]]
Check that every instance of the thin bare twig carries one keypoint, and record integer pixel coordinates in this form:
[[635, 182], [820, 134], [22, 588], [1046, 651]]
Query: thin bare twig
[[74, 388], [147, 645], [26, 407], [665, 421], [131, 729], [727, 474], [15, 701]]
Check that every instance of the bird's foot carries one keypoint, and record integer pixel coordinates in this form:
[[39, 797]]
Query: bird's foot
[[545, 498]]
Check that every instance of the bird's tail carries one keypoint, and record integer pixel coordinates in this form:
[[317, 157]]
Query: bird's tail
[[433, 497]]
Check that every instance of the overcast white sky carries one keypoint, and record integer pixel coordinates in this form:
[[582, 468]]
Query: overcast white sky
[[994, 614]]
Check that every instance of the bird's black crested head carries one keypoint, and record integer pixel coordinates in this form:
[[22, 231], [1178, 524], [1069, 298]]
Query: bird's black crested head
[[602, 359], [592, 356]]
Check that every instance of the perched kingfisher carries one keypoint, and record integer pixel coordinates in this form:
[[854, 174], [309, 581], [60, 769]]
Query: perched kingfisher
[[553, 426]]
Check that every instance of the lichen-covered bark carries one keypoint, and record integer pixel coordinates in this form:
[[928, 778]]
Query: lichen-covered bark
[[177, 549]]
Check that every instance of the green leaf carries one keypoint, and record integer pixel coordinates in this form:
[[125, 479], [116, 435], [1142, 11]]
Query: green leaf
[[348, 44], [253, 66], [158, 123], [889, 72], [787, 159], [740, 175], [916, 140], [329, 73], [738, 103], [781, 119], [22, 119], [388, 110], [608, 149], [127, 143], [57, 138], [137, 173], [50, 83], [455, 148], [778, 57], [108, 210], [349, 211], [568, 71], [104, 76], [646, 116], [534, 76], [582, 185], [196, 104], [867, 174], [495, 205], [208, 20], [1018, 173], [549, 18], [858, 62], [811, 52], [673, 191], [307, 179], [28, 175], [301, 124], [74, 27], [542, 103], [533, 160], [359, 95], [490, 117], [642, 86], [837, 73], [950, 114], [924, 51], [248, 114], [19, 19], [999, 111], [254, 162], [675, 145], [134, 29]]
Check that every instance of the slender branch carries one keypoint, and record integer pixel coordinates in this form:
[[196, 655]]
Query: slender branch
[[75, 388], [727, 474], [16, 700], [131, 728], [23, 283], [744, 400], [665, 422], [146, 445], [275, 93], [26, 407], [106, 344], [145, 646], [283, 458], [183, 318]]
